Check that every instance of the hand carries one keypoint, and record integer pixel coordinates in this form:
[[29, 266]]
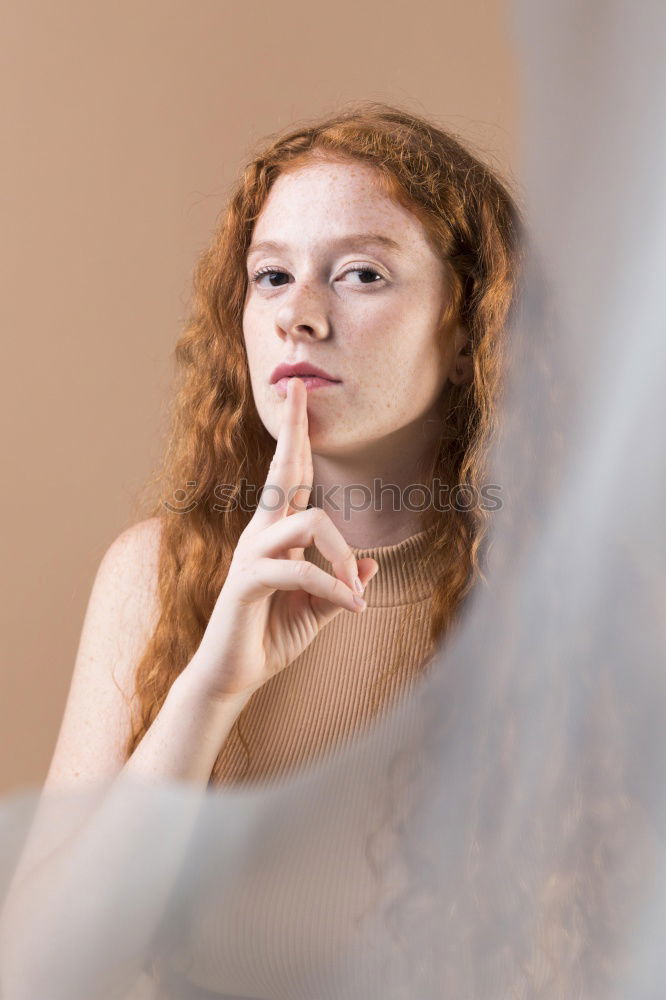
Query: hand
[[274, 602]]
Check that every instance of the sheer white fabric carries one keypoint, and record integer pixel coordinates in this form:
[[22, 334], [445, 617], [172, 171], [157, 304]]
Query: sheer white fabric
[[514, 806]]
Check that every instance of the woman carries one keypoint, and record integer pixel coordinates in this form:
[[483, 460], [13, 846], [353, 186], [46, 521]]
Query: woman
[[372, 248]]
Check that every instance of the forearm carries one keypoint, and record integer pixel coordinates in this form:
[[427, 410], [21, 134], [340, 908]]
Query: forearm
[[184, 740], [68, 906]]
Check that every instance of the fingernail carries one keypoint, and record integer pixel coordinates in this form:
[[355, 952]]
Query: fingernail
[[359, 602], [358, 585]]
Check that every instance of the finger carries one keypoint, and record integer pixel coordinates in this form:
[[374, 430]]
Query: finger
[[367, 570], [269, 575], [311, 527], [285, 469], [295, 490], [302, 496], [326, 610]]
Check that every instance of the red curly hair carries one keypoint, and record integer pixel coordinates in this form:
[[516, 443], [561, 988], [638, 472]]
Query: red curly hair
[[216, 434]]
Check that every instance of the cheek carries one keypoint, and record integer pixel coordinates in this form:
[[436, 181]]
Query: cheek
[[393, 341], [381, 332], [252, 341], [399, 361]]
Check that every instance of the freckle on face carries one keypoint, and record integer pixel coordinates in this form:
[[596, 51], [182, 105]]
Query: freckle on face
[[381, 341]]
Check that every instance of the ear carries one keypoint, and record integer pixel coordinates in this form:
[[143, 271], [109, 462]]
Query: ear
[[462, 365]]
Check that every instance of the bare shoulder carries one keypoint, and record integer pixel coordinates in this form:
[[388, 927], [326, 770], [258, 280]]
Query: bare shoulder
[[124, 596], [120, 615], [132, 558], [126, 581], [136, 546], [122, 611]]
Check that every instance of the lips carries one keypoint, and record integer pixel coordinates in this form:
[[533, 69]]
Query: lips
[[311, 382], [301, 368]]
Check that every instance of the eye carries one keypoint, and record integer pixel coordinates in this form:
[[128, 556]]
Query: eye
[[364, 270], [274, 272], [256, 277]]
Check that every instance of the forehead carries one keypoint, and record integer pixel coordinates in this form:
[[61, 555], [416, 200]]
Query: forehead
[[331, 198]]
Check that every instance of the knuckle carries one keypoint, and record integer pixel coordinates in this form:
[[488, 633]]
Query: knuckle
[[340, 590], [240, 571], [317, 516], [302, 570]]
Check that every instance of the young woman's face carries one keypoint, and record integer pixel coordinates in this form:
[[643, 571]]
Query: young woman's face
[[366, 311]]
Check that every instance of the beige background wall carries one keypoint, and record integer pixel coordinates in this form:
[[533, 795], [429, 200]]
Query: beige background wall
[[123, 125]]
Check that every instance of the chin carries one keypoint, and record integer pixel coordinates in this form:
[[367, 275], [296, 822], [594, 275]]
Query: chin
[[324, 440]]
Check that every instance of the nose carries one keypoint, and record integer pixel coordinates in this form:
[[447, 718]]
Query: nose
[[302, 317]]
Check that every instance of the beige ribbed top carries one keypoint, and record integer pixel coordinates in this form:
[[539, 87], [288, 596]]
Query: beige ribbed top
[[355, 667], [283, 929]]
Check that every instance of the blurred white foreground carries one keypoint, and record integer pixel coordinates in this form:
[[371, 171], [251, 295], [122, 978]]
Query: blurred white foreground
[[521, 834]]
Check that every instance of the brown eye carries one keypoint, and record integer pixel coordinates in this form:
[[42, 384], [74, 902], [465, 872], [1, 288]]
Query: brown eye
[[366, 271], [273, 271]]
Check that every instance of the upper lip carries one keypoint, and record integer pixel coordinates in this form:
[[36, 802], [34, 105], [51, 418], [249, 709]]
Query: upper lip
[[301, 368]]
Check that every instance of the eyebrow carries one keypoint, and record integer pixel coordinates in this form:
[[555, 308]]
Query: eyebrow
[[355, 241]]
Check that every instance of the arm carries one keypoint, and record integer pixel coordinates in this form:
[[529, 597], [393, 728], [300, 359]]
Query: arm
[[260, 623], [74, 878]]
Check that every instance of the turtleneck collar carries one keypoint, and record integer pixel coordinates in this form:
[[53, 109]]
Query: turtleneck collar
[[405, 573]]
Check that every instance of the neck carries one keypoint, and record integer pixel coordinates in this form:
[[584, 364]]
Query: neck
[[370, 494]]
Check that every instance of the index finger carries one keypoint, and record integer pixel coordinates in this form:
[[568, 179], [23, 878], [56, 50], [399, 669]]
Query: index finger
[[286, 469], [301, 496]]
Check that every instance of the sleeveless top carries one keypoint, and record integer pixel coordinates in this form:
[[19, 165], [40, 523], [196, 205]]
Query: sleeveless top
[[355, 668], [289, 926]]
